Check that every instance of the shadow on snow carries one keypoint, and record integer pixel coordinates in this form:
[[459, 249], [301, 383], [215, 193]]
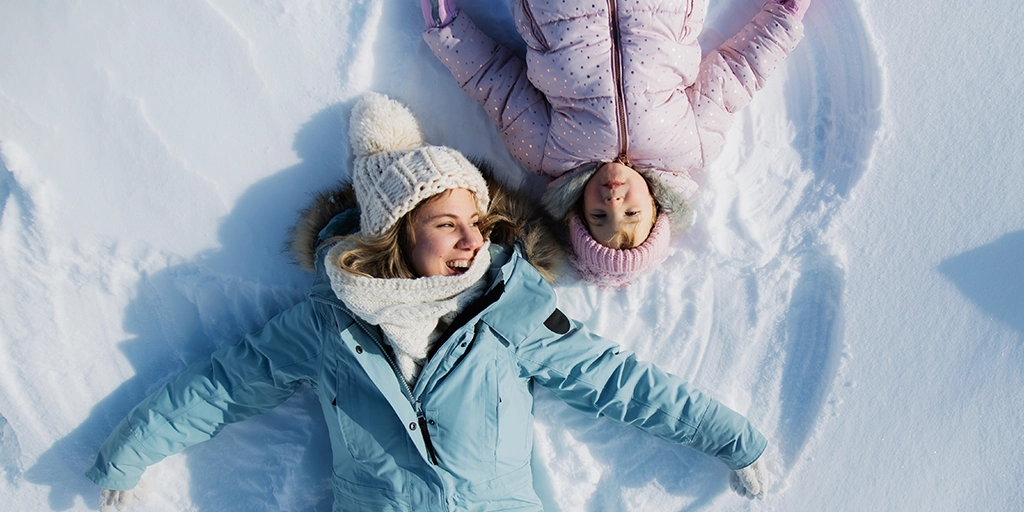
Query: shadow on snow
[[180, 315], [992, 277]]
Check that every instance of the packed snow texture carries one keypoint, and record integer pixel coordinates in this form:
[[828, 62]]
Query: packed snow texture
[[853, 284]]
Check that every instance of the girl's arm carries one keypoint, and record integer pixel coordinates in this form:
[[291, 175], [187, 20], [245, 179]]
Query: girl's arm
[[237, 382], [497, 79], [729, 76]]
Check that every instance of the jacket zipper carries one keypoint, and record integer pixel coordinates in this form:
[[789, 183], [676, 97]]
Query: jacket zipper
[[537, 34], [421, 417], [620, 93]]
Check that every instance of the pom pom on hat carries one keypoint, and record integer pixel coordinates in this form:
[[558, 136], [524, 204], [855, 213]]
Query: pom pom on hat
[[613, 268], [380, 124], [393, 171]]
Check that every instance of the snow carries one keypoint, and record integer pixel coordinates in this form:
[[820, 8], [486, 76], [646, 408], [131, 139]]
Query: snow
[[854, 282]]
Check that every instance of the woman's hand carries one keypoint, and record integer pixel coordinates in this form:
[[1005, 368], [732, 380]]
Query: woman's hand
[[751, 481], [114, 500], [438, 13], [797, 7]]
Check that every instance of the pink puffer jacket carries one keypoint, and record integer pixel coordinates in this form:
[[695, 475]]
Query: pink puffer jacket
[[615, 79]]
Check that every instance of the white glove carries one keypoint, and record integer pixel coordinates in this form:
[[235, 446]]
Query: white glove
[[111, 500], [751, 481]]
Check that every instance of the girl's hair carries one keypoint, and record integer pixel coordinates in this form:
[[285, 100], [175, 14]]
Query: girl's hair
[[623, 239], [387, 256]]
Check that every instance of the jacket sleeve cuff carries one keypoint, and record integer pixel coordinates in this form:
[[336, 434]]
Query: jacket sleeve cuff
[[121, 460], [743, 443], [112, 477], [461, 47]]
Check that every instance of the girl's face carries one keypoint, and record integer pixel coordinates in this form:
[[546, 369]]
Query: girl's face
[[446, 236], [617, 199]]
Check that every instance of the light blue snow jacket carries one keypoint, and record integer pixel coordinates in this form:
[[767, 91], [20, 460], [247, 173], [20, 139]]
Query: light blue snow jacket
[[461, 439]]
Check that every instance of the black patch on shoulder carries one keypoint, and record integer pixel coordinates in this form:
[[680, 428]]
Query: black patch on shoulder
[[557, 322]]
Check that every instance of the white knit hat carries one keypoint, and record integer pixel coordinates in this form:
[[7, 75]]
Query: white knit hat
[[394, 171]]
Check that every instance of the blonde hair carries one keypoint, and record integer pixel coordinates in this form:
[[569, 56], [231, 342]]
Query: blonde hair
[[622, 240], [379, 256], [387, 256]]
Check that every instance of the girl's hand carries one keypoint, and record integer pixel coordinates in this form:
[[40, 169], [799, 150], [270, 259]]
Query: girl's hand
[[797, 7], [438, 13], [751, 481]]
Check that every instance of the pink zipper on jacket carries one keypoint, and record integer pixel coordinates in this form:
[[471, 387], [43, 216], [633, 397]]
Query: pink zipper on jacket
[[620, 92], [537, 34]]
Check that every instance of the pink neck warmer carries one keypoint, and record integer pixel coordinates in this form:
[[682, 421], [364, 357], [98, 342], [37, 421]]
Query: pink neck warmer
[[616, 267]]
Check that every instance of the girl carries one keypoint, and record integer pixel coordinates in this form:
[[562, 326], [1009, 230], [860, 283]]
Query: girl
[[424, 332], [615, 102]]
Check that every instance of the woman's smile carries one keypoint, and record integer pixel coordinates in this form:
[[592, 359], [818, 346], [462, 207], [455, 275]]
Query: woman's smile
[[446, 235]]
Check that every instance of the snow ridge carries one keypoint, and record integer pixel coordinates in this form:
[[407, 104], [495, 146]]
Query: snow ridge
[[10, 188], [10, 453]]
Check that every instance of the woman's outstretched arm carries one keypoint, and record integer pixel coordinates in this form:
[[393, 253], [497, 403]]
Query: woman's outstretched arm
[[237, 382]]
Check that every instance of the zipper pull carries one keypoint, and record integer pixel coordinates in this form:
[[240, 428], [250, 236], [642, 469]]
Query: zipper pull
[[426, 439]]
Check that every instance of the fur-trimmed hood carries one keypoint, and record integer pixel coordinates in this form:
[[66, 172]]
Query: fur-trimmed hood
[[518, 221], [563, 193]]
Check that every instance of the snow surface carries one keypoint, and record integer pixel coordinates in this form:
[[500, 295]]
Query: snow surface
[[854, 282]]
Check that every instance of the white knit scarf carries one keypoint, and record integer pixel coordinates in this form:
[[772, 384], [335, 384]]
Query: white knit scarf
[[413, 313]]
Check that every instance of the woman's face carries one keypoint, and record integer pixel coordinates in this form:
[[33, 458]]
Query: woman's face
[[616, 198], [445, 233]]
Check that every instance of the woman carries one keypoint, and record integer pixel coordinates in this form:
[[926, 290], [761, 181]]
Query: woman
[[422, 336]]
